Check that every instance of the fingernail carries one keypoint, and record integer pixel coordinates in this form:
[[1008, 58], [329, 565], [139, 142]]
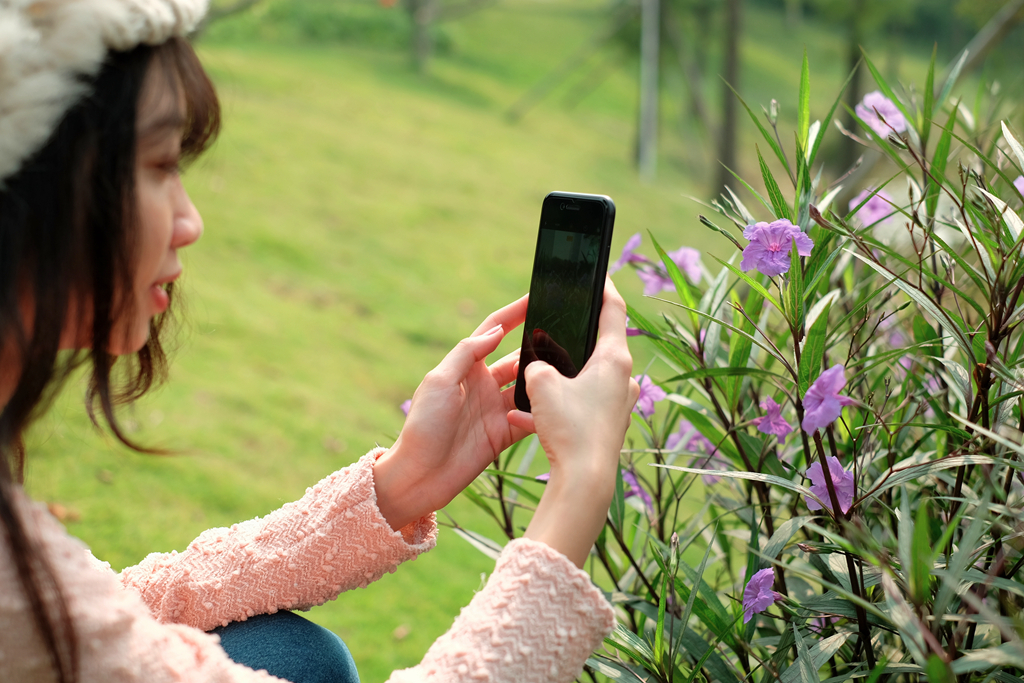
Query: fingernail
[[496, 328]]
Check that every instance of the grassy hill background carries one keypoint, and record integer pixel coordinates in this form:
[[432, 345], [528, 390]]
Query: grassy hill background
[[360, 219]]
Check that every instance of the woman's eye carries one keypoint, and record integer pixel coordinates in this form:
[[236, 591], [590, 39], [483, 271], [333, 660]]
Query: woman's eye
[[170, 166]]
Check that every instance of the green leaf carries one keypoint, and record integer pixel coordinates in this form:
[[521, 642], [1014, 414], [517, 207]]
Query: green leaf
[[795, 289], [886, 90], [693, 594], [783, 534], [707, 223], [616, 671], [740, 345], [1004, 677], [1006, 655], [678, 279], [479, 501], [630, 643], [902, 475], [804, 111], [921, 568], [938, 169], [655, 336], [617, 511], [818, 267], [754, 284], [938, 671], [733, 328], [925, 303], [751, 476], [926, 337], [709, 608], [819, 654], [954, 74], [929, 101], [769, 138], [779, 204], [1018, 149], [804, 663], [701, 373], [1016, 447], [693, 643], [708, 429], [659, 629], [828, 119], [481, 543], [814, 351]]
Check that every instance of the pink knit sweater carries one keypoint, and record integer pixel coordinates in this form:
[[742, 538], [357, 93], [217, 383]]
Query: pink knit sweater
[[538, 618]]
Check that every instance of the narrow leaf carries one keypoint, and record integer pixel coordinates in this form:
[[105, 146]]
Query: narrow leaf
[[1018, 150], [804, 110], [779, 204], [814, 351]]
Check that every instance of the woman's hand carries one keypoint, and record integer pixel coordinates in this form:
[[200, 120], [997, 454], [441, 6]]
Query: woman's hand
[[581, 423], [457, 425]]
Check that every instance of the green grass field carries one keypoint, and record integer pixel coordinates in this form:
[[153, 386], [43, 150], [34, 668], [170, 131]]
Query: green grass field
[[360, 220]]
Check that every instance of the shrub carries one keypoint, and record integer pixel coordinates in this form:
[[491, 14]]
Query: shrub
[[831, 479]]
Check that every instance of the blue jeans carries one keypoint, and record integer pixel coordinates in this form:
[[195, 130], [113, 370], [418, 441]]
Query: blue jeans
[[290, 647]]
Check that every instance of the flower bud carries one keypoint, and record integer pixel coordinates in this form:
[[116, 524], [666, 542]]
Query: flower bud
[[896, 141]]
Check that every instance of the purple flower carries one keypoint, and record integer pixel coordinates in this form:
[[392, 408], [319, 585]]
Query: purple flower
[[543, 477], [770, 244], [633, 488], [1019, 184], [655, 281], [632, 331], [823, 404], [758, 595], [877, 208], [688, 261], [627, 255], [772, 422], [819, 624], [880, 114], [406, 404], [650, 393], [697, 443], [842, 481]]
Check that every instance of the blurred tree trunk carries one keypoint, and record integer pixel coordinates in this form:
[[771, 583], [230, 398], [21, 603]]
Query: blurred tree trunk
[[731, 74], [422, 14], [650, 51], [794, 13], [693, 100], [849, 151]]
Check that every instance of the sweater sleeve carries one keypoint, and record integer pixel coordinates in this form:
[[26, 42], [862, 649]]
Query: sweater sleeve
[[331, 540], [536, 621]]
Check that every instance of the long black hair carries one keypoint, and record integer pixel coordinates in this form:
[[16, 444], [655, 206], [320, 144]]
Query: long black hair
[[67, 236]]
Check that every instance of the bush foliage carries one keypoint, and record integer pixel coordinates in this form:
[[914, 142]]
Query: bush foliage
[[879, 343]]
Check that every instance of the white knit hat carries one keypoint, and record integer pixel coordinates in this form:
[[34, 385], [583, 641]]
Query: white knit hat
[[48, 46]]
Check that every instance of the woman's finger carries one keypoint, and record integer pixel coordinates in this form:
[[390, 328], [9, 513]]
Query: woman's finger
[[612, 323], [517, 419], [504, 370], [509, 317], [457, 363]]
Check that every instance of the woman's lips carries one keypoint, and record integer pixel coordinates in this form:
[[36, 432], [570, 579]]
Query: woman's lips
[[161, 300]]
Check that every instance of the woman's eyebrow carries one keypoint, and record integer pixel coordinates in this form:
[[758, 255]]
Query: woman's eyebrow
[[169, 121]]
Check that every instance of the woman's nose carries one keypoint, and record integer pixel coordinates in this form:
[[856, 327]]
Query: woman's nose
[[188, 224]]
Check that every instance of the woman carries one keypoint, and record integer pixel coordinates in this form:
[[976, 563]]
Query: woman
[[100, 103]]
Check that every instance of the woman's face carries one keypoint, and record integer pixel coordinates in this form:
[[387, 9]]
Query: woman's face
[[167, 219]]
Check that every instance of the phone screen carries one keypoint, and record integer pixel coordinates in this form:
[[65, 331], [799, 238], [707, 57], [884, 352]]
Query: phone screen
[[567, 283]]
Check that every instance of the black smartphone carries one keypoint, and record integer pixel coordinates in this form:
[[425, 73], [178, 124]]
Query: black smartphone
[[567, 286]]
